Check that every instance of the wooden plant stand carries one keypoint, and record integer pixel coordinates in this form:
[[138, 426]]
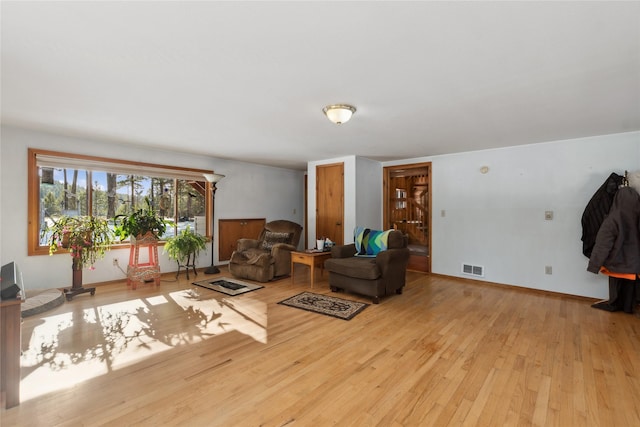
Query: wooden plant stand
[[76, 278], [138, 272], [76, 283]]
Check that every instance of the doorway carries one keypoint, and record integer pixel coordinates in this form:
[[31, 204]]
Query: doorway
[[407, 207], [330, 202]]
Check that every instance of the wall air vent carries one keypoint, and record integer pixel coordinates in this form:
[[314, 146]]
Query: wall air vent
[[473, 270]]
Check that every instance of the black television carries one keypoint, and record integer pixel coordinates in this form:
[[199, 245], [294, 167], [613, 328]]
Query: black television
[[10, 281]]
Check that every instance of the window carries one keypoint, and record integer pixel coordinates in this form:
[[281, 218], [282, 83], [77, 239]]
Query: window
[[70, 184]]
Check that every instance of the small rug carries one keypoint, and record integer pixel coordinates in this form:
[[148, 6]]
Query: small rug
[[40, 301], [228, 286], [323, 304]]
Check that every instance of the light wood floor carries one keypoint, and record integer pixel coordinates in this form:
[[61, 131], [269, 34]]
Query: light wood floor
[[446, 352]]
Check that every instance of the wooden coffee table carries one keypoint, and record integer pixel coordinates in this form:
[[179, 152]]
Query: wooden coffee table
[[312, 259]]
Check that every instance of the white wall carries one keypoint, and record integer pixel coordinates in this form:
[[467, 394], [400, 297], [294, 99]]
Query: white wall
[[248, 190], [362, 194], [496, 220], [349, 195], [368, 195]]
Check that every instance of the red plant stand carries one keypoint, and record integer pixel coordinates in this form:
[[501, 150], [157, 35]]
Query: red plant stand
[[141, 272]]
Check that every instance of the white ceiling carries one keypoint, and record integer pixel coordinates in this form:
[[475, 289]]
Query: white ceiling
[[248, 80]]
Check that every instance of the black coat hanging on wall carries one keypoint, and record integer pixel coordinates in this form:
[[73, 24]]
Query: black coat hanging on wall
[[596, 210]]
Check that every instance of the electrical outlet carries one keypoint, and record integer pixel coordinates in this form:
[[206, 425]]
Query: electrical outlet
[[115, 261], [548, 269]]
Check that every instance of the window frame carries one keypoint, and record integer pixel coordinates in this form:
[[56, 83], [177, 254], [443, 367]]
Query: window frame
[[121, 166]]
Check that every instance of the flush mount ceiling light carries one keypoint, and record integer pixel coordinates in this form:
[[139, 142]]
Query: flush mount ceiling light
[[339, 113]]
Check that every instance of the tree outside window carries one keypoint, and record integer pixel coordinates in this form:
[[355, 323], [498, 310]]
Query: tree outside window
[[105, 194]]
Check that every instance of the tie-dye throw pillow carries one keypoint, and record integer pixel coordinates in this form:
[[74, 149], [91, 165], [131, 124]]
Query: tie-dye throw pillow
[[370, 242]]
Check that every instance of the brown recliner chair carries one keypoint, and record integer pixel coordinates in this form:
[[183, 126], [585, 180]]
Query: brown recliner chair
[[269, 255], [377, 276]]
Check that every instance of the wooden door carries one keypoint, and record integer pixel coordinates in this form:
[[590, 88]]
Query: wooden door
[[233, 229], [330, 202]]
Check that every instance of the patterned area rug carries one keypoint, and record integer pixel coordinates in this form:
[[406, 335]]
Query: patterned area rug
[[323, 304], [228, 286]]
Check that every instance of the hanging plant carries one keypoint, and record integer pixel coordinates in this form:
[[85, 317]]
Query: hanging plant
[[86, 237]]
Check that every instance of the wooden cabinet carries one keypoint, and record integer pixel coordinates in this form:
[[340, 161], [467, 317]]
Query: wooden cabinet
[[10, 330], [230, 230]]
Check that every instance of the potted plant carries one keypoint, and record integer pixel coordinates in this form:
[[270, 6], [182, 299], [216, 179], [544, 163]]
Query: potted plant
[[140, 222], [86, 237], [144, 227], [185, 248]]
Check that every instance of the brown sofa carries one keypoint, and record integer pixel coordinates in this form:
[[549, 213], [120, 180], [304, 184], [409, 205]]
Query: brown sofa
[[269, 255], [376, 277]]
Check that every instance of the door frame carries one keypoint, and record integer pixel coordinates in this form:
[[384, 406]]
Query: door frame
[[385, 199], [306, 213]]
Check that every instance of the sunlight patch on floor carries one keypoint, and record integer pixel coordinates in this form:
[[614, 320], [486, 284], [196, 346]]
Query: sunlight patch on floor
[[160, 299], [69, 348]]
